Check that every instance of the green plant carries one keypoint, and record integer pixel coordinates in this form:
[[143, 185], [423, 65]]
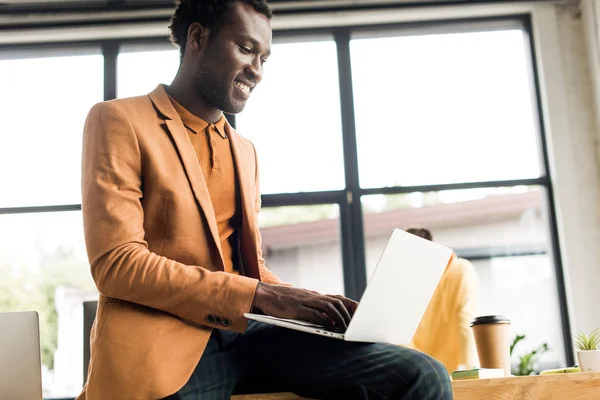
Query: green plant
[[516, 340], [527, 361], [584, 342]]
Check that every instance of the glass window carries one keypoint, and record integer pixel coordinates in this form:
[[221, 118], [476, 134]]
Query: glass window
[[444, 108], [476, 221], [504, 231], [44, 267], [524, 289], [140, 68], [45, 98], [301, 245], [293, 119]]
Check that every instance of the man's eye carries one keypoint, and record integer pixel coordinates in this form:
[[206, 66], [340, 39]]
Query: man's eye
[[263, 60], [245, 49]]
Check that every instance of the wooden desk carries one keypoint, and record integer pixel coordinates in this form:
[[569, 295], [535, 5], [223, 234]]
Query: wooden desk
[[578, 386], [581, 386]]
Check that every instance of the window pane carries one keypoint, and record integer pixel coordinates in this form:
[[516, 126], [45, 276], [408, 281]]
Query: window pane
[[294, 120], [444, 108], [504, 232], [524, 288], [45, 100], [141, 68], [301, 245], [44, 267]]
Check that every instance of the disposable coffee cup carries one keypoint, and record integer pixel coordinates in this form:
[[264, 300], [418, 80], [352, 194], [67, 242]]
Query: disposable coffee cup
[[492, 338]]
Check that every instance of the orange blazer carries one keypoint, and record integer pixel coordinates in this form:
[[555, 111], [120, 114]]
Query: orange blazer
[[154, 248]]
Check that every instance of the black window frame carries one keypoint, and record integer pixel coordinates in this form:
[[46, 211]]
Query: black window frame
[[349, 199]]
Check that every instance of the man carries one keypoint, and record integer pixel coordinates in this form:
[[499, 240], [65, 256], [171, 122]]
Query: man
[[444, 332], [170, 203]]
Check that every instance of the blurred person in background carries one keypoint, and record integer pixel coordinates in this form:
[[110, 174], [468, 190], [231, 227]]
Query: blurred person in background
[[444, 332], [170, 203]]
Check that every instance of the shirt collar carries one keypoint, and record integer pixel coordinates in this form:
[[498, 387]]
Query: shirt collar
[[197, 124]]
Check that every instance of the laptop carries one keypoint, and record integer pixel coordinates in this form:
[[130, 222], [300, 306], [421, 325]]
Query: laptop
[[20, 362], [396, 296]]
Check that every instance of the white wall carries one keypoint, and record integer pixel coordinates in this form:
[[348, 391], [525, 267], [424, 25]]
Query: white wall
[[572, 133], [590, 14]]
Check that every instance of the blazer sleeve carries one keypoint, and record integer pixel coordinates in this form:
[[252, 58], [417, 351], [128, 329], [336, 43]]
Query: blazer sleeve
[[121, 264], [265, 273]]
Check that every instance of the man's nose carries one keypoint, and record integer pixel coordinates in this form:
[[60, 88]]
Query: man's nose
[[256, 69]]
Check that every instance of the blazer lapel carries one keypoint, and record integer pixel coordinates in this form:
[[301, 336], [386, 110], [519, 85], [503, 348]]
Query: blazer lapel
[[189, 159], [246, 181]]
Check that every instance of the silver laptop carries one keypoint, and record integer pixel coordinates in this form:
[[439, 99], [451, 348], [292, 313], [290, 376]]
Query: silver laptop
[[20, 363], [396, 297]]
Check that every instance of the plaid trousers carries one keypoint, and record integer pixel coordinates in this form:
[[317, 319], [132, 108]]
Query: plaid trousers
[[267, 359]]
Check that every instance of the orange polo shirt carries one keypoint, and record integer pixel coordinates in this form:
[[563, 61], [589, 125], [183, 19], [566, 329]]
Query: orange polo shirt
[[213, 149]]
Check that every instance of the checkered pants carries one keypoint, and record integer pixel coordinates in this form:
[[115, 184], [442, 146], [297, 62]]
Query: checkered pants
[[269, 359]]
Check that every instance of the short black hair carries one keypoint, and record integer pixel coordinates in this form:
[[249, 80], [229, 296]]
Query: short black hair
[[421, 232], [210, 14]]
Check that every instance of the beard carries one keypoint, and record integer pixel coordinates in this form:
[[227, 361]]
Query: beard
[[216, 89]]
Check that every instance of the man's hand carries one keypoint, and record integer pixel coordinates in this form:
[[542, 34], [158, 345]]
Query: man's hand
[[331, 311]]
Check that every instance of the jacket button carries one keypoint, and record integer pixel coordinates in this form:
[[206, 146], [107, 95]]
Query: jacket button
[[226, 322], [210, 319], [218, 320]]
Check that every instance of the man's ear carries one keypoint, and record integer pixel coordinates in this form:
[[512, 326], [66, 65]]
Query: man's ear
[[197, 37]]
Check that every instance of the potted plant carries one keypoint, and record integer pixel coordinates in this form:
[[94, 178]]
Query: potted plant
[[589, 350]]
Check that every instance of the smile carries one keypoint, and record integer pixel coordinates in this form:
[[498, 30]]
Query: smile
[[243, 87]]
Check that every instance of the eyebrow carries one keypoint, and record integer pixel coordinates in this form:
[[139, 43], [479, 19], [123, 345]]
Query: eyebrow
[[254, 42]]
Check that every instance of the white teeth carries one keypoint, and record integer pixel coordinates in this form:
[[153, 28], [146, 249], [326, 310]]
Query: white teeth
[[244, 87]]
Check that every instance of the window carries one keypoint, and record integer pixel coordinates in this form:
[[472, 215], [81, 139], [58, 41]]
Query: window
[[357, 130], [41, 137], [43, 264], [504, 232], [301, 245], [451, 108], [140, 68], [444, 108], [44, 267], [524, 287], [293, 119]]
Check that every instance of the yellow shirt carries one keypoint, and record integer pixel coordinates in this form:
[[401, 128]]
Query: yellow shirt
[[444, 332], [213, 150]]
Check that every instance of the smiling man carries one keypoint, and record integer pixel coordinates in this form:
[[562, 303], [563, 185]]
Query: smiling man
[[170, 203]]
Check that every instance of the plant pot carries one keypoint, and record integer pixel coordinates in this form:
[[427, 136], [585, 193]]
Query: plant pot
[[589, 360]]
